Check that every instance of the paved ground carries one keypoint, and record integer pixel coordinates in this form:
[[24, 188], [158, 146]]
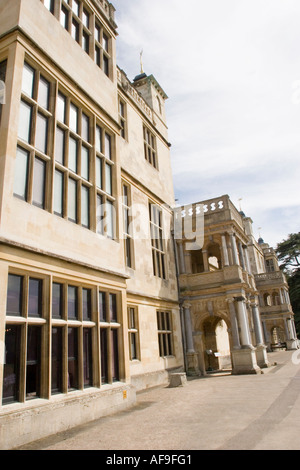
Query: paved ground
[[217, 412]]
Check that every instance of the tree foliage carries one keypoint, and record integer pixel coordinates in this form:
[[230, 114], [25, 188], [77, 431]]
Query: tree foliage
[[288, 253]]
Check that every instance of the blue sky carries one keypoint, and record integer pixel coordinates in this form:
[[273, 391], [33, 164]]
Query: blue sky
[[231, 70]]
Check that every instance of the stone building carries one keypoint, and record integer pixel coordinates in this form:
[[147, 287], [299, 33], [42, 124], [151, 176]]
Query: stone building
[[89, 307], [90, 310], [233, 295]]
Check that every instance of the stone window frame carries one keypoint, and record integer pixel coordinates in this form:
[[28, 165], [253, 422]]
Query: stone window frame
[[29, 146], [165, 333], [122, 107], [46, 321], [157, 241], [150, 147], [133, 332], [127, 231], [105, 191], [110, 329], [98, 47]]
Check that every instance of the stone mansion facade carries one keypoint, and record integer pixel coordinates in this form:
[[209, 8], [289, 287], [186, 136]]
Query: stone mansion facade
[[99, 299]]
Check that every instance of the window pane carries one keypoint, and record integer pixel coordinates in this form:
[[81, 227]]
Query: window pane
[[85, 127], [114, 355], [100, 215], [87, 357], [28, 80], [99, 172], [75, 30], [104, 356], [85, 162], [108, 180], [73, 149], [33, 363], [72, 302], [85, 18], [57, 300], [97, 56], [72, 200], [86, 304], [24, 131], [60, 145], [14, 295], [97, 32], [3, 66], [49, 4], [58, 193], [131, 318], [75, 7], [102, 308], [61, 108], [35, 298], [11, 364], [110, 219], [64, 17], [38, 191], [113, 307], [98, 139], [108, 146], [21, 170], [73, 124], [41, 133], [43, 96], [105, 65], [85, 42], [72, 358], [85, 222], [128, 252], [56, 360], [105, 42]]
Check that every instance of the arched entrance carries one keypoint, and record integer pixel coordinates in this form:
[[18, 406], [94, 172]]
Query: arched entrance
[[217, 354]]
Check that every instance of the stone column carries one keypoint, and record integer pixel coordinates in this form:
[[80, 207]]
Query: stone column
[[225, 251], [191, 356], [188, 329], [261, 348], [241, 253], [247, 260], [205, 261], [266, 336], [234, 325], [257, 324], [244, 359], [243, 322], [235, 257], [292, 342], [281, 297]]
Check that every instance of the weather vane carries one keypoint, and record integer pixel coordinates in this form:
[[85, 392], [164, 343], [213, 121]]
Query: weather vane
[[240, 199]]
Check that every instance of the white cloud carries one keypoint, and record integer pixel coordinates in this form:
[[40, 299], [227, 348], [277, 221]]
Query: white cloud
[[232, 72]]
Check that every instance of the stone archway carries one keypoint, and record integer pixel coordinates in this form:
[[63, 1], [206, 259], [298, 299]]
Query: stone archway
[[216, 342]]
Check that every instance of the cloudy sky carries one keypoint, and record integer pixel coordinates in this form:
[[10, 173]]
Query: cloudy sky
[[231, 69]]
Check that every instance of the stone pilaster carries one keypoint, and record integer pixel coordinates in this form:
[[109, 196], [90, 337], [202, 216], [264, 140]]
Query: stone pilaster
[[191, 356]]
